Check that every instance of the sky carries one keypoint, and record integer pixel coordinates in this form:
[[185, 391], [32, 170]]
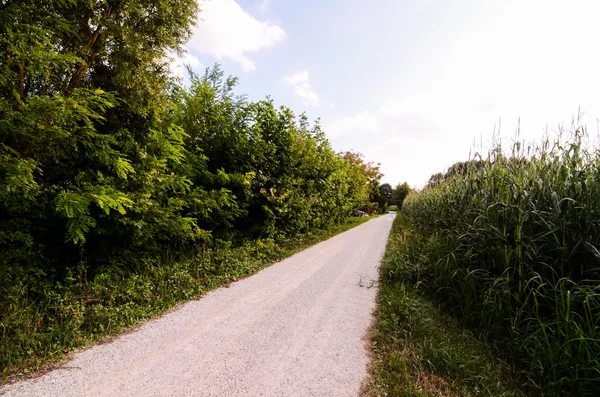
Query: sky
[[414, 85]]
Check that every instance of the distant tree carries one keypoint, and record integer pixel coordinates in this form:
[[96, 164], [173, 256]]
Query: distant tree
[[386, 191], [370, 169], [372, 172], [462, 167], [400, 193]]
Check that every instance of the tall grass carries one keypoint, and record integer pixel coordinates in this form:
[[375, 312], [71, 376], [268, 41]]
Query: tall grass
[[419, 349], [512, 244]]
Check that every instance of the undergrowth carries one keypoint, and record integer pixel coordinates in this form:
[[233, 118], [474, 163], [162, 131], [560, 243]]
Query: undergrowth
[[35, 334], [420, 350]]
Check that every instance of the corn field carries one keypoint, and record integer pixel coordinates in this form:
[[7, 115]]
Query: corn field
[[511, 243]]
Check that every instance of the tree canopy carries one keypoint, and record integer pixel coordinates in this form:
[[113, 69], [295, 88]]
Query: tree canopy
[[106, 160]]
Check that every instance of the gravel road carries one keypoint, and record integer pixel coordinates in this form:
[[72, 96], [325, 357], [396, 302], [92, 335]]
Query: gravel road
[[294, 329]]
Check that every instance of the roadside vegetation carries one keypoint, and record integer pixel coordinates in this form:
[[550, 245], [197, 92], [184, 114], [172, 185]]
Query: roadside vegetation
[[388, 198], [81, 310], [420, 349], [493, 273], [124, 192]]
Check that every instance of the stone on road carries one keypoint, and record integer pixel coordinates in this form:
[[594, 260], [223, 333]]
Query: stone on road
[[294, 329]]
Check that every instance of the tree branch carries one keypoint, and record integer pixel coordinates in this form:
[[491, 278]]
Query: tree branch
[[22, 81], [7, 4]]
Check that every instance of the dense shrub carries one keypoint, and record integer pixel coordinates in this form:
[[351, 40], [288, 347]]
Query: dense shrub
[[109, 168]]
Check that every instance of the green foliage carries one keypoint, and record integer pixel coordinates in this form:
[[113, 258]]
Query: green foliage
[[371, 198], [511, 247], [283, 172], [400, 192], [386, 191], [422, 351], [106, 165], [53, 47], [79, 311], [383, 207]]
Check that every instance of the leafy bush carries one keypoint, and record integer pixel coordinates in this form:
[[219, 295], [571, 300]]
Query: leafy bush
[[78, 310], [110, 169]]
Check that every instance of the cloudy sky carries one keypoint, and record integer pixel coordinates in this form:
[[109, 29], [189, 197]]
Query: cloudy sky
[[412, 84]]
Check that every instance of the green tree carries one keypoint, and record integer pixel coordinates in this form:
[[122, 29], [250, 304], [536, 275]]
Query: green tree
[[400, 192], [386, 191], [86, 145], [282, 171], [108, 166], [122, 46], [373, 176]]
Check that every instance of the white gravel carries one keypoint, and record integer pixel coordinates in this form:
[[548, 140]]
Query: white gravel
[[294, 329]]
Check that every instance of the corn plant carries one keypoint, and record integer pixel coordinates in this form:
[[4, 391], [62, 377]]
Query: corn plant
[[511, 241]]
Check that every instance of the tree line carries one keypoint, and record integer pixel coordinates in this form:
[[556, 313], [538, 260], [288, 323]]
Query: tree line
[[387, 196], [106, 159]]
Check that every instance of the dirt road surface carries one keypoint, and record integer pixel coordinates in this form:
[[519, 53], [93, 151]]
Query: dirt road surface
[[295, 329]]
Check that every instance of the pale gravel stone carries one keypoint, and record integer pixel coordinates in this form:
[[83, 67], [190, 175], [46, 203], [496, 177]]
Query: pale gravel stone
[[294, 329]]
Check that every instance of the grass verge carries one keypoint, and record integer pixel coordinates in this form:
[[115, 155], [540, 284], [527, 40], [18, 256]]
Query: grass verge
[[36, 335], [420, 350]]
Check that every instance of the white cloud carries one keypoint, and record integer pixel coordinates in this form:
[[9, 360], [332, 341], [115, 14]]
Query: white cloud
[[263, 6], [390, 107], [178, 64], [524, 62], [296, 78], [358, 124], [302, 88], [393, 111], [405, 136], [226, 31], [305, 92]]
